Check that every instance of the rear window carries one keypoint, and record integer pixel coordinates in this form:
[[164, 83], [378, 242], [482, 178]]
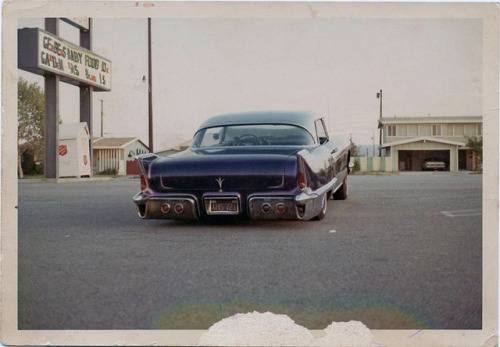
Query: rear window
[[253, 135]]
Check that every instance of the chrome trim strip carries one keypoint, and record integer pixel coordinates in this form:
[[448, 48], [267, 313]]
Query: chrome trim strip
[[304, 197], [140, 198], [163, 186], [257, 213], [344, 175], [281, 185], [270, 197]]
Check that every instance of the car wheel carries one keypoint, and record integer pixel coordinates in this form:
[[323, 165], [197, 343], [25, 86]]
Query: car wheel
[[324, 208], [343, 191]]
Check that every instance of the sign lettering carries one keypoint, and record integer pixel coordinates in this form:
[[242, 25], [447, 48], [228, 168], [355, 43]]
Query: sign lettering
[[75, 64]]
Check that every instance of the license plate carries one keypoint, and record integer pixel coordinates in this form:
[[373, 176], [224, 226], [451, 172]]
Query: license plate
[[223, 206]]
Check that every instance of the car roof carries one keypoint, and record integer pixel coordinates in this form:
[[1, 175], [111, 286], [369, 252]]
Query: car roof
[[303, 119]]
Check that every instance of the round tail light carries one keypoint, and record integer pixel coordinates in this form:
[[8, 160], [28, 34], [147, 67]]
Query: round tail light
[[280, 208], [266, 208], [165, 208], [179, 208]]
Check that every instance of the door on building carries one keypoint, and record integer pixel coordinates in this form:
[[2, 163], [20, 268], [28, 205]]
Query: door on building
[[132, 168], [462, 159], [405, 161]]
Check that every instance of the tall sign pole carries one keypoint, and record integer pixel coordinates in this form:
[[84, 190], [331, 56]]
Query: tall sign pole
[[86, 95], [51, 131], [150, 82], [379, 95]]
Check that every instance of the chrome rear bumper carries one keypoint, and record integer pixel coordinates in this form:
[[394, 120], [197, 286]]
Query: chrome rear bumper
[[303, 206], [168, 207]]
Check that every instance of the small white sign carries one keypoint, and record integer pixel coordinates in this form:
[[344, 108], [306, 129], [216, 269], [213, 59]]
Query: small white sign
[[64, 58]]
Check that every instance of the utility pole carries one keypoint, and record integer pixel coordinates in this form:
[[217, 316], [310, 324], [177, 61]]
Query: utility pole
[[379, 96], [102, 119], [373, 138], [150, 74]]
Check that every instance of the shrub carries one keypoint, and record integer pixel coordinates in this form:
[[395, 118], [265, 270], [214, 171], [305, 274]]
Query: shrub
[[356, 167], [28, 162], [112, 172]]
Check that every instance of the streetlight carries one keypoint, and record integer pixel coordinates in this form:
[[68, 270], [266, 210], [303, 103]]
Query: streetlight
[[379, 96], [373, 138]]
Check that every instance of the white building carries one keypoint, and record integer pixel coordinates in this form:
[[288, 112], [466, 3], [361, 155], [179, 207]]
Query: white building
[[411, 140], [74, 150], [117, 154]]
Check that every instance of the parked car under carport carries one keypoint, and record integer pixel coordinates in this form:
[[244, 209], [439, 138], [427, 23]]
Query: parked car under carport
[[433, 164]]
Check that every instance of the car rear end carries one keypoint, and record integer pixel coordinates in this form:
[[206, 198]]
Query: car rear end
[[152, 204], [189, 187]]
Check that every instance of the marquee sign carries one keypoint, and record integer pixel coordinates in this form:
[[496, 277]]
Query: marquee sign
[[41, 52]]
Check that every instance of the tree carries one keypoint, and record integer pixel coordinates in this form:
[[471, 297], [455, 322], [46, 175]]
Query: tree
[[30, 116], [476, 146], [354, 148], [354, 153]]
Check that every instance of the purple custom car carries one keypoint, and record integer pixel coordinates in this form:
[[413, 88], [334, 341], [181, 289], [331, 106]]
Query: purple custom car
[[261, 165]]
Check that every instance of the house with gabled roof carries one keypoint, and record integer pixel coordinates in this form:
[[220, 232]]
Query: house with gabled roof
[[116, 154], [411, 141]]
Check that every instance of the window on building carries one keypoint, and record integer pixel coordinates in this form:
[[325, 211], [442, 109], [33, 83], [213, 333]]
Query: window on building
[[479, 130], [448, 130], [412, 130], [436, 130], [391, 130], [458, 130]]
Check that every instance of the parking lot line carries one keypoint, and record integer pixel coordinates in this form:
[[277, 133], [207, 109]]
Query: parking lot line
[[462, 213]]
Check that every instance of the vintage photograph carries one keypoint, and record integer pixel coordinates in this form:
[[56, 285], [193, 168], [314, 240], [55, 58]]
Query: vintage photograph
[[176, 165]]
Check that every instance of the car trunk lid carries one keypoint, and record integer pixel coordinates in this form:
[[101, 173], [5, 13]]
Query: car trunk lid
[[225, 170]]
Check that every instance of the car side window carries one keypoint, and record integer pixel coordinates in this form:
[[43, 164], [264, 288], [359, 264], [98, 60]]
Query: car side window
[[212, 137], [321, 131]]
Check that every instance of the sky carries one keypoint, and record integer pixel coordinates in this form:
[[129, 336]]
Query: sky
[[335, 67]]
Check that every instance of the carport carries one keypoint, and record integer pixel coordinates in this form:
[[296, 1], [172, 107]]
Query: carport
[[413, 160], [408, 155]]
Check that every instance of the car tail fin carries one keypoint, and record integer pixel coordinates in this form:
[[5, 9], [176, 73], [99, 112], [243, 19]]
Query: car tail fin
[[301, 174], [143, 164]]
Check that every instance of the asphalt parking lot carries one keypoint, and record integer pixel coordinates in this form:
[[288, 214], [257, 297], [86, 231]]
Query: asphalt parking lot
[[402, 252]]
